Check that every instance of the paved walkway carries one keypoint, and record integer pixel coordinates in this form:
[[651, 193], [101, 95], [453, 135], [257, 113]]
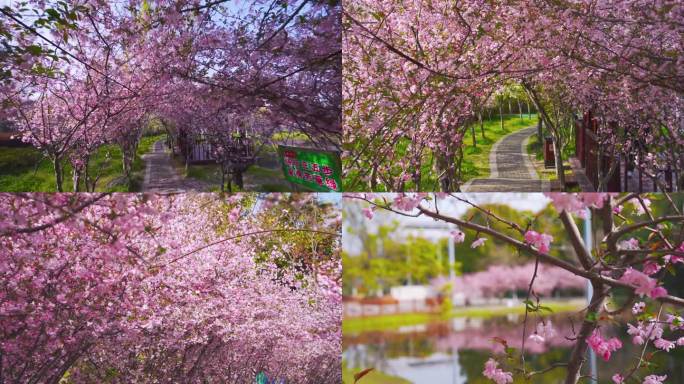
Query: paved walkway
[[510, 167], [161, 176]]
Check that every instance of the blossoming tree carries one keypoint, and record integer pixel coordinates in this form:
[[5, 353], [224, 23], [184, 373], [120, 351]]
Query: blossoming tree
[[85, 74], [417, 74], [637, 251], [135, 288]]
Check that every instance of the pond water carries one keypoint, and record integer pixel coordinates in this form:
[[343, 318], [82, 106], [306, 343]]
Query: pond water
[[454, 351]]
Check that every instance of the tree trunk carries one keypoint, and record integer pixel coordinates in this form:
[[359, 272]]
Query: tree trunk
[[472, 131], [126, 159], [540, 131], [479, 116], [373, 179], [501, 115], [580, 349], [529, 115], [520, 109], [76, 178], [58, 173], [237, 178], [552, 129], [559, 161], [446, 181]]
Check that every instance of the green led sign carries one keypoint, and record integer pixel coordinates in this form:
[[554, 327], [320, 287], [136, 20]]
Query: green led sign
[[313, 169]]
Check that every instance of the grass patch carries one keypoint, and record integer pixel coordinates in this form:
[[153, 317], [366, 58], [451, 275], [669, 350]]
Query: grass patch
[[535, 148], [266, 179], [536, 151], [475, 162], [476, 157], [25, 169], [373, 377], [391, 322], [285, 136]]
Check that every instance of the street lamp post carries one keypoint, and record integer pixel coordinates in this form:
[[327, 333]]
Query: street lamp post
[[588, 243]]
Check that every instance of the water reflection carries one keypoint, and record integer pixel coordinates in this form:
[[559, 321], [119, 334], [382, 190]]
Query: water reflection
[[454, 351]]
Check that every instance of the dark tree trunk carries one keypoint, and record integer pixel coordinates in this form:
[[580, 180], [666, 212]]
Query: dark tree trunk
[[472, 131], [237, 179], [579, 351], [57, 166], [559, 161], [479, 116], [540, 131]]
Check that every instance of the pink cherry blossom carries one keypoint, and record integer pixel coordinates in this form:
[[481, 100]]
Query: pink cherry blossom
[[603, 347], [406, 202], [498, 375], [644, 284], [673, 259], [657, 292], [654, 379], [135, 282], [478, 242], [651, 267], [639, 208], [540, 241], [618, 379], [631, 244], [638, 307], [458, 236], [642, 332], [543, 332], [663, 344], [216, 75], [675, 322]]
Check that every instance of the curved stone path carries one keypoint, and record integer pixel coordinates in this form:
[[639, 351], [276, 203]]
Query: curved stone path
[[161, 176], [510, 167]]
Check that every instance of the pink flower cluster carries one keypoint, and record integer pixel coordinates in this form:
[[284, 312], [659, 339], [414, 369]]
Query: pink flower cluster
[[631, 244], [541, 241], [603, 347], [651, 379], [543, 332], [408, 202], [642, 332], [577, 203], [498, 375], [654, 379], [638, 307], [644, 284]]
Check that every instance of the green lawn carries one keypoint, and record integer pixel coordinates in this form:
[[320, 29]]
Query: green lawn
[[476, 157], [289, 136], [25, 169], [268, 180], [389, 322], [373, 377], [535, 150]]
